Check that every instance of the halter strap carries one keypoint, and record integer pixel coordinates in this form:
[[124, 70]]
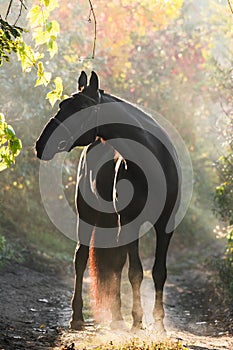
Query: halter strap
[[58, 122], [92, 99], [69, 133]]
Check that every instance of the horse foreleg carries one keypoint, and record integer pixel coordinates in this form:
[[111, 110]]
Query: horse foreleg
[[159, 274], [80, 262], [135, 277]]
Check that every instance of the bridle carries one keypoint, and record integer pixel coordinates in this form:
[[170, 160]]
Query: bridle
[[63, 143]]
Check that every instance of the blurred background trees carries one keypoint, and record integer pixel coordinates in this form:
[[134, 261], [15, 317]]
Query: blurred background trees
[[171, 56]]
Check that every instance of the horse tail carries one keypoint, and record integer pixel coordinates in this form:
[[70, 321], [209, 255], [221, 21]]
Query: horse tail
[[99, 290]]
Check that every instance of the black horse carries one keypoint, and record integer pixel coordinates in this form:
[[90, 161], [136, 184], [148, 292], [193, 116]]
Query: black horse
[[122, 144]]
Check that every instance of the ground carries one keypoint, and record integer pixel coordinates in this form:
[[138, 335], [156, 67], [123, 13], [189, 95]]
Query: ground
[[35, 306]]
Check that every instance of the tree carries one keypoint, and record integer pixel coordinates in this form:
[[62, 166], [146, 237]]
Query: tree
[[44, 33], [223, 198]]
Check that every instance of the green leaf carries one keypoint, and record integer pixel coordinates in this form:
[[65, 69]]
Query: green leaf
[[10, 145], [48, 25], [15, 146], [9, 132]]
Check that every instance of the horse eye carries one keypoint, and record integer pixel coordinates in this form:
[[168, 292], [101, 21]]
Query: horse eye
[[62, 145]]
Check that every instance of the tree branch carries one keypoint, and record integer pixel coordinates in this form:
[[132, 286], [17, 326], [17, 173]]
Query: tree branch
[[22, 5], [20, 11], [95, 27], [229, 3], [8, 9]]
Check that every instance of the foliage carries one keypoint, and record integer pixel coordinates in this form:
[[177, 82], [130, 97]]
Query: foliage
[[224, 202], [10, 145], [8, 39], [44, 33], [226, 264], [221, 80], [9, 251], [224, 192]]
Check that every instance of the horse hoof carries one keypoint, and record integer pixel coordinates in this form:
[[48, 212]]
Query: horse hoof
[[118, 325], [77, 325], [137, 327], [159, 329]]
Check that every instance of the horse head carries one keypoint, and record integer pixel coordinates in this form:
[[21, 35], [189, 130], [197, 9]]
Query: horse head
[[60, 133]]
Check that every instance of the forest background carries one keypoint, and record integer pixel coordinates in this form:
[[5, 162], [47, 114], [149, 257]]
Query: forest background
[[174, 57]]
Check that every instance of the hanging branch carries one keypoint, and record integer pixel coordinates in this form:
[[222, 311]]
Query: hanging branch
[[92, 12], [8, 9], [22, 5], [229, 3]]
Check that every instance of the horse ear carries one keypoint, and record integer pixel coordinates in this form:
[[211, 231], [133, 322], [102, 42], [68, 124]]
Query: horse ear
[[94, 81], [82, 81]]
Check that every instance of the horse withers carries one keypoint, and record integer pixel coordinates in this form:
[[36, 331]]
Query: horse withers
[[122, 145]]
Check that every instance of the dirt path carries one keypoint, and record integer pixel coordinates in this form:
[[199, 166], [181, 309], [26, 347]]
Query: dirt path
[[35, 308]]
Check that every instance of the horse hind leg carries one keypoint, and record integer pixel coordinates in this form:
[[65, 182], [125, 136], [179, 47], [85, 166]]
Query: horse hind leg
[[159, 274], [135, 274], [115, 287]]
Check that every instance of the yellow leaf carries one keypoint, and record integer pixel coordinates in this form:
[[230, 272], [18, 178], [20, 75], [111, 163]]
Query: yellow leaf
[[55, 29], [3, 166], [44, 79], [36, 16], [40, 71], [59, 86], [47, 78], [2, 118], [41, 37], [52, 97], [55, 95], [50, 4], [53, 49], [28, 57], [205, 54], [64, 97]]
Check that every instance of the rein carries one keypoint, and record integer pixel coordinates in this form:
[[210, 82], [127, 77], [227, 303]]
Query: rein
[[63, 143]]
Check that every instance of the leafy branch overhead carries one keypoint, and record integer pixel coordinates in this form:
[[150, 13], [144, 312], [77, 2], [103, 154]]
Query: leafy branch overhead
[[44, 33], [10, 145], [9, 35]]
